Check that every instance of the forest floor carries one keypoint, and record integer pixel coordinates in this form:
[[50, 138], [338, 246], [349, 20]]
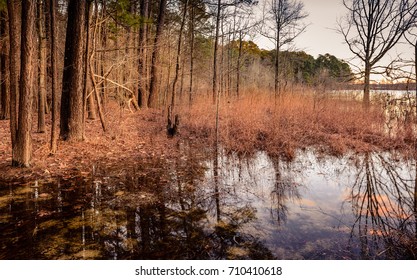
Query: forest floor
[[245, 126], [131, 138]]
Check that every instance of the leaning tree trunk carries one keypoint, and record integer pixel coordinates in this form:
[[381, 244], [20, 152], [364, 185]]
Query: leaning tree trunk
[[72, 103], [23, 154], [92, 75]]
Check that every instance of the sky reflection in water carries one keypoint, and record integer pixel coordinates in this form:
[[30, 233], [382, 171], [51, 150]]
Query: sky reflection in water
[[261, 207]]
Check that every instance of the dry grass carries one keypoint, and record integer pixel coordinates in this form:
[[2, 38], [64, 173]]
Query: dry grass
[[258, 121]]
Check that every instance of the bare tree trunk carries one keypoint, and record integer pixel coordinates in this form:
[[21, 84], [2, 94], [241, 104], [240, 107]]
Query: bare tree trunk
[[239, 58], [103, 42], [415, 82], [168, 76], [23, 155], [153, 91], [192, 18], [415, 198], [14, 58], [181, 92], [129, 74], [4, 89], [216, 46], [142, 92], [55, 101], [100, 110], [42, 69], [88, 98], [72, 126], [372, 28], [222, 70], [366, 90], [230, 39], [276, 79], [134, 51], [177, 65], [172, 124]]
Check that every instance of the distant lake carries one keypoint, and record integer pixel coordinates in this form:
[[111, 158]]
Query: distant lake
[[358, 94]]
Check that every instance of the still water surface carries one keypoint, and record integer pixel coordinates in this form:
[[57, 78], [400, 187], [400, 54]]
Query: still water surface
[[230, 207]]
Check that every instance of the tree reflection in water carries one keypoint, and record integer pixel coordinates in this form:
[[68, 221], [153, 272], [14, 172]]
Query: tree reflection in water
[[383, 202], [285, 189], [212, 205], [158, 210]]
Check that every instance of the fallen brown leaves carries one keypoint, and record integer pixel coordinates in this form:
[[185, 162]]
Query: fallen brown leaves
[[132, 138]]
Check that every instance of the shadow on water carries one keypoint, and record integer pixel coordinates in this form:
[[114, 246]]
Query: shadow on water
[[205, 205]]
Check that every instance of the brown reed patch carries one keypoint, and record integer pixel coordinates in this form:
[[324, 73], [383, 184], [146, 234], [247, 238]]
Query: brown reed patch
[[280, 126]]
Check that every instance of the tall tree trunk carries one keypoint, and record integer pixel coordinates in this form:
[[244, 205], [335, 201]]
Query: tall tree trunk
[[93, 79], [54, 81], [276, 80], [177, 65], [14, 58], [181, 92], [192, 39], [415, 81], [230, 39], [4, 89], [239, 59], [42, 69], [72, 103], [23, 155], [415, 196], [103, 43], [153, 90], [142, 93], [366, 90], [216, 46], [222, 70], [129, 75], [88, 98]]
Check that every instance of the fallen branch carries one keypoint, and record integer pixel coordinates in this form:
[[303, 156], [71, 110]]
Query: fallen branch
[[132, 94]]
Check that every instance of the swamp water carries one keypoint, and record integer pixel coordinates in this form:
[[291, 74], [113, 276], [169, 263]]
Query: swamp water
[[232, 207]]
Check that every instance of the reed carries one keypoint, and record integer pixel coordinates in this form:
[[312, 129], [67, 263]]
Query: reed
[[302, 119]]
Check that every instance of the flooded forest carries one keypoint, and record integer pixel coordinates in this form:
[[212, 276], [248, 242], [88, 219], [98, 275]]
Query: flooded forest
[[165, 129]]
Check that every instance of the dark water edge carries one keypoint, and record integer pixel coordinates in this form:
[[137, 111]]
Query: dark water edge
[[199, 206]]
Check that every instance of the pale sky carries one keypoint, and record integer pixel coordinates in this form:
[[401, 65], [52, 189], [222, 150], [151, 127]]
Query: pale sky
[[321, 36]]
